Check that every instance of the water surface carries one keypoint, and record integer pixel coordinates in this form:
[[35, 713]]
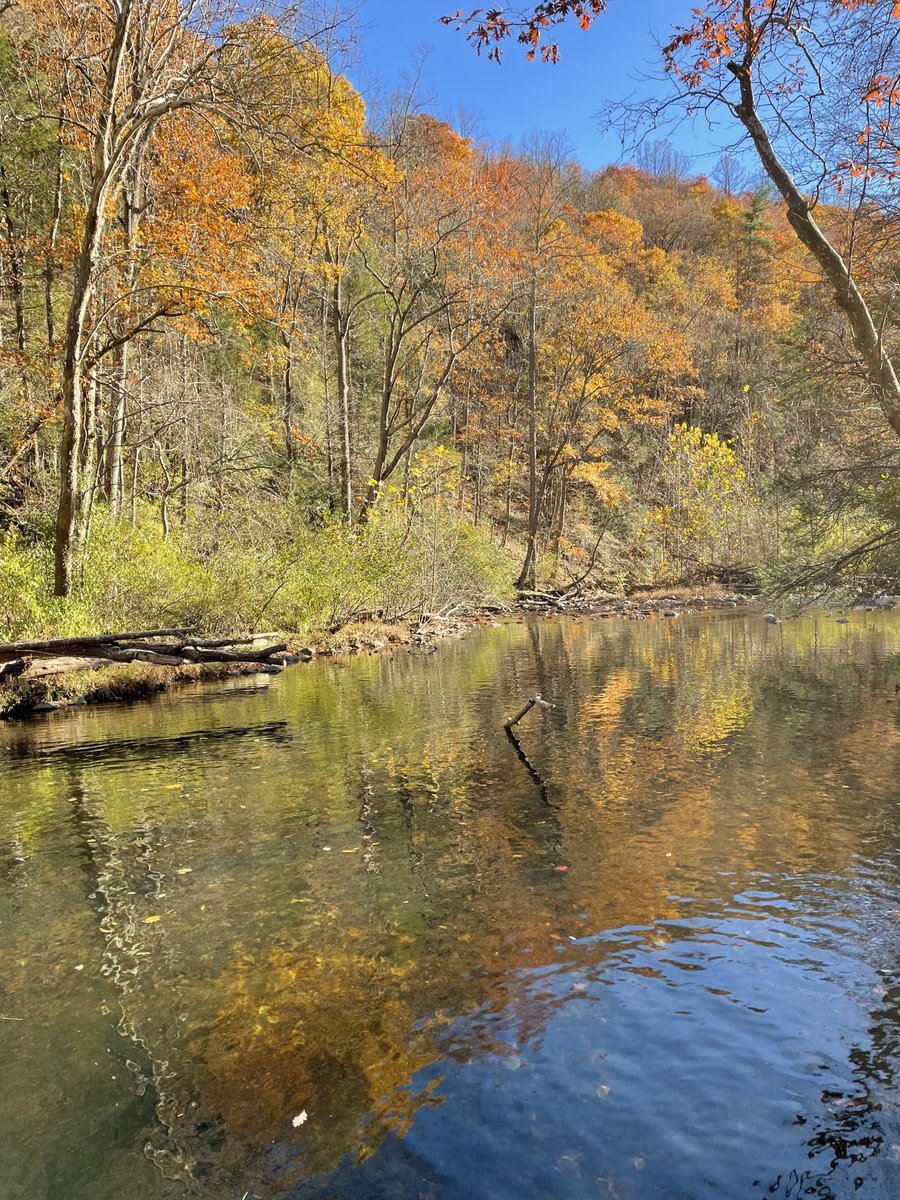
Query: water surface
[[330, 936]]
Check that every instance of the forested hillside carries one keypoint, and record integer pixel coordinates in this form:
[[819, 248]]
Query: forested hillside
[[263, 361]]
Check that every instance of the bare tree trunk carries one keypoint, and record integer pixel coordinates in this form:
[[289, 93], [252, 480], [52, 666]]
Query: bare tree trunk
[[183, 494], [507, 513], [340, 326], [288, 387], [561, 516], [67, 510], [165, 492], [132, 207], [881, 373], [87, 441], [135, 473], [527, 574], [16, 263], [93, 227], [115, 434], [391, 350], [49, 264]]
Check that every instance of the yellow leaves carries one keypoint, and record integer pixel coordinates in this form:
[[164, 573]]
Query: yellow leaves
[[596, 475], [703, 483], [612, 229]]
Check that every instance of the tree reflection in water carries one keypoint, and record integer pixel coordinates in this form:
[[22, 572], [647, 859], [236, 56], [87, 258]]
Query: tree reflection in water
[[348, 897]]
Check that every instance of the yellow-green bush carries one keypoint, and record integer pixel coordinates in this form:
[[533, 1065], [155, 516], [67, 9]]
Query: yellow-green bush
[[403, 560]]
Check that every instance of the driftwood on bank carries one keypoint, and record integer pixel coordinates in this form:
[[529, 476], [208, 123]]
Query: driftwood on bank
[[182, 647]]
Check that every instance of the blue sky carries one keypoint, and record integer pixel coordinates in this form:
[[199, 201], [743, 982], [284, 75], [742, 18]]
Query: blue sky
[[517, 97]]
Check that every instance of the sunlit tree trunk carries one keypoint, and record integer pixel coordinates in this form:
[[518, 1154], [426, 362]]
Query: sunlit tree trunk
[[527, 574], [52, 238], [93, 227], [340, 328], [881, 372]]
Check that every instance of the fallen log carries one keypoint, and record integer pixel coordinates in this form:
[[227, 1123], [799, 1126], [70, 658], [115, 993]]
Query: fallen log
[[42, 667], [139, 646]]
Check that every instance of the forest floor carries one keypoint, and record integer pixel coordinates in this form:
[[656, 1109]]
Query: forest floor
[[25, 697]]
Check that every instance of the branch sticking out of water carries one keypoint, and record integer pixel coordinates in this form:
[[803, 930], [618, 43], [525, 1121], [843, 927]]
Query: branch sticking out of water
[[508, 725], [526, 709]]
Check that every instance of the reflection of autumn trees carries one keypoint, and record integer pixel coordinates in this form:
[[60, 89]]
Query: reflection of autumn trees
[[368, 861]]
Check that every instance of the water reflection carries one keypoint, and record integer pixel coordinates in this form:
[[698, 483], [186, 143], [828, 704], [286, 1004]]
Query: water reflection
[[663, 962]]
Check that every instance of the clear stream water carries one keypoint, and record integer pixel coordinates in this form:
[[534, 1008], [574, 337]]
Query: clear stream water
[[328, 937]]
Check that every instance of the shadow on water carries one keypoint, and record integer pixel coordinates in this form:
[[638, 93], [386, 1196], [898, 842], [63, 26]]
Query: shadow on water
[[529, 767], [128, 750], [337, 940]]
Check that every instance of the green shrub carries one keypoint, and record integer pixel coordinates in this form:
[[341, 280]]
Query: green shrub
[[288, 574]]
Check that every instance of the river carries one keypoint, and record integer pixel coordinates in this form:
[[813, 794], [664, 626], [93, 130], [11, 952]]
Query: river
[[330, 936]]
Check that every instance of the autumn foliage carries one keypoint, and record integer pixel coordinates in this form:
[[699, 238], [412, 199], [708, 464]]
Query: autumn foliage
[[238, 315]]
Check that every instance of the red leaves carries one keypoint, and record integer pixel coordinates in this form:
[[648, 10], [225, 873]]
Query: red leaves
[[488, 29], [719, 31], [883, 89]]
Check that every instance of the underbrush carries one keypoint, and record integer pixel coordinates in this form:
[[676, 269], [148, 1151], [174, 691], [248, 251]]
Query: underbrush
[[260, 571]]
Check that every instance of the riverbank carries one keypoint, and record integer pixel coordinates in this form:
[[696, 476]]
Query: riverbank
[[28, 695]]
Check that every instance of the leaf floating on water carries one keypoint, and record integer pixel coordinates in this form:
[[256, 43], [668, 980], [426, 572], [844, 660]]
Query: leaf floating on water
[[150, 920], [300, 1119]]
